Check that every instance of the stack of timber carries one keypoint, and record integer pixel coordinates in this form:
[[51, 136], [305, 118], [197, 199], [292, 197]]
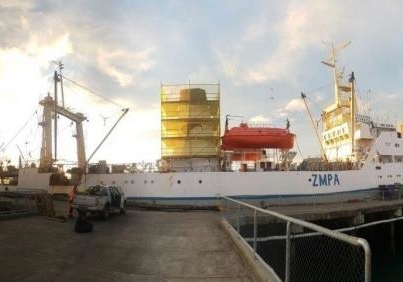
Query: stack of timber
[[44, 202]]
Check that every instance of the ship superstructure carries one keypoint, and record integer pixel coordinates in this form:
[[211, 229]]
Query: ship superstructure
[[190, 127]]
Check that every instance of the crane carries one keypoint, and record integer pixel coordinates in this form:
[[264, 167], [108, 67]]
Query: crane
[[303, 97]]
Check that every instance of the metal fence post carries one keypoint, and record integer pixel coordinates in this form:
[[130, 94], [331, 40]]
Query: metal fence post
[[254, 232], [228, 211], [237, 222], [222, 207], [287, 252], [367, 250]]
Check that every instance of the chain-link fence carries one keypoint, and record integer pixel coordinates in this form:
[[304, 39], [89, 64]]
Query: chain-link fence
[[13, 203], [298, 250]]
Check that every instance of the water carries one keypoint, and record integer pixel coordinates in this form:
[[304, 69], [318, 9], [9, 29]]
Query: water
[[387, 255], [387, 252]]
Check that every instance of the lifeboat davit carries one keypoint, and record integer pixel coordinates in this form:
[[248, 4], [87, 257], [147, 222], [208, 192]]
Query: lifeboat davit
[[246, 137]]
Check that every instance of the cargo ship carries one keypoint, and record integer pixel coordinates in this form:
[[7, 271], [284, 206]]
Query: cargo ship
[[359, 156]]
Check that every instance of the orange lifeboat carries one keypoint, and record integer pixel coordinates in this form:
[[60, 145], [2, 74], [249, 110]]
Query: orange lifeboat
[[245, 137]]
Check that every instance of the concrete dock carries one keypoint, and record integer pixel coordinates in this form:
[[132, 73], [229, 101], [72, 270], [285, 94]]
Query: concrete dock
[[138, 246]]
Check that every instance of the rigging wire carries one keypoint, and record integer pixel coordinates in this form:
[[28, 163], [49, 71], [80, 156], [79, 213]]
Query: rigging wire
[[315, 90], [19, 131], [299, 149], [320, 88], [364, 107], [91, 91]]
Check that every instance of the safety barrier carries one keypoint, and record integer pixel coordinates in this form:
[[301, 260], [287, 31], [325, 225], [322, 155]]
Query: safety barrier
[[298, 250]]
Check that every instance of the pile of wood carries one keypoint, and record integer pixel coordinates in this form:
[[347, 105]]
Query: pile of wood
[[44, 202]]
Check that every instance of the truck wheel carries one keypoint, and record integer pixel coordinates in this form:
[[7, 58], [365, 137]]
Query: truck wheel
[[123, 209], [106, 212]]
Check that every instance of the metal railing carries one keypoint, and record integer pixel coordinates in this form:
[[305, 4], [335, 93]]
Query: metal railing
[[298, 250]]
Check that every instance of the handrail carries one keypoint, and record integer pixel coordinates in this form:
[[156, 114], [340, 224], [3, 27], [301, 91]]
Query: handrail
[[359, 242]]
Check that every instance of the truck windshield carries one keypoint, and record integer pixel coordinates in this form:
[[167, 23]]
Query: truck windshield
[[97, 190]]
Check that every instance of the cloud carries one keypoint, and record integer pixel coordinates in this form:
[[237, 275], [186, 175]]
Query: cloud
[[260, 119], [20, 70], [390, 96], [229, 65], [281, 113], [295, 105], [53, 49], [202, 74], [256, 30], [13, 3], [124, 66], [301, 29]]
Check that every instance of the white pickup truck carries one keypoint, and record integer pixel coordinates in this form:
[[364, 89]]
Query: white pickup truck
[[101, 199]]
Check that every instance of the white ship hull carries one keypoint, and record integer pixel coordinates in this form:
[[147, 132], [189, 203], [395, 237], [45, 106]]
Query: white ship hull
[[204, 188], [275, 186], [288, 187]]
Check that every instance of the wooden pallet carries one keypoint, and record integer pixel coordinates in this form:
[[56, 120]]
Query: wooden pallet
[[44, 202]]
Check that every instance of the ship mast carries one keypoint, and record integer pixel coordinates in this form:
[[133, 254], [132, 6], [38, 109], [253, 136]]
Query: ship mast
[[56, 79], [51, 105], [339, 117], [331, 62], [352, 112]]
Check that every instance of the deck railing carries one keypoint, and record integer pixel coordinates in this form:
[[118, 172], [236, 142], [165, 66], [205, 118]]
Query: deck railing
[[298, 250]]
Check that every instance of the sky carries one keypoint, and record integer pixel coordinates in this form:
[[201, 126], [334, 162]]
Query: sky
[[263, 54]]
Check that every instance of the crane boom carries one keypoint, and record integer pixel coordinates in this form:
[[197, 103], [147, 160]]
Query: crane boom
[[107, 134], [303, 96]]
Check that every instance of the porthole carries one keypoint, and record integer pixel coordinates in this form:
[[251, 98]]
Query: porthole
[[179, 182], [113, 182], [125, 181], [132, 181], [152, 181], [200, 181], [145, 181]]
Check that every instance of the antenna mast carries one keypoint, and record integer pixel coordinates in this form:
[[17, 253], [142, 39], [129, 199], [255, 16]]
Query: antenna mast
[[331, 62], [352, 112], [55, 98], [61, 81]]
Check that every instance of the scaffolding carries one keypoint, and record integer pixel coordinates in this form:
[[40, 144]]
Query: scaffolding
[[190, 121]]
